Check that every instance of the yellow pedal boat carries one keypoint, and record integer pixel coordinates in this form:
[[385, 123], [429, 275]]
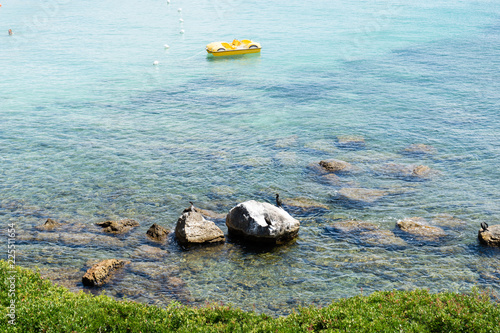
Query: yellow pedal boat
[[243, 46]]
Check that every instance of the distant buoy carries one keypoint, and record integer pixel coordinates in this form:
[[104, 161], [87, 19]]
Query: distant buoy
[[182, 31], [181, 20], [168, 2], [179, 10], [156, 62], [166, 46]]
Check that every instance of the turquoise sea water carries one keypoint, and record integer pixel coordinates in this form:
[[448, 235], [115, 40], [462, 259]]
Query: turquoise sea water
[[90, 130]]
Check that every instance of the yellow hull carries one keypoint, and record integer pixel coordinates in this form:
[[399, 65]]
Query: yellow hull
[[233, 52]]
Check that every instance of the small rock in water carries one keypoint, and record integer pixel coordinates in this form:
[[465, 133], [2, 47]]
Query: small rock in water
[[118, 227], [50, 224], [100, 273], [336, 165], [490, 236], [157, 233]]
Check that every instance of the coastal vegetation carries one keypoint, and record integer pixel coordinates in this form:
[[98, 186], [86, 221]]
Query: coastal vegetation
[[41, 306]]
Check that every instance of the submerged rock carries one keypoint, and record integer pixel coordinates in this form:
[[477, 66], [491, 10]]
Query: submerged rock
[[193, 228], [490, 236], [157, 233], [262, 222], [360, 195], [419, 149], [46, 237], [417, 226], [381, 237], [118, 227], [149, 252], [100, 273], [332, 179], [304, 203], [336, 166], [353, 226], [76, 238], [50, 224], [322, 145], [449, 221], [367, 233], [286, 142], [351, 141], [407, 172]]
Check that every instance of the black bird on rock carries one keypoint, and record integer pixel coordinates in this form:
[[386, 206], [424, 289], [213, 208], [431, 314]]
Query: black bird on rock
[[279, 203], [191, 208], [484, 226]]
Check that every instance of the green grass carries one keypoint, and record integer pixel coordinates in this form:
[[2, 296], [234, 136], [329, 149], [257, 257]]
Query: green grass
[[44, 307]]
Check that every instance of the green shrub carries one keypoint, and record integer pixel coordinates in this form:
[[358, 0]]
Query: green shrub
[[44, 307]]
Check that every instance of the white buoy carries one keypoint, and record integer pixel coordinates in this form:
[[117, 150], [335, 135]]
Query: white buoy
[[168, 2], [156, 62], [179, 10], [166, 46], [181, 20], [182, 31]]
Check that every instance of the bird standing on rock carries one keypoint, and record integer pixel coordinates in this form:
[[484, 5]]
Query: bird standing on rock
[[279, 203], [484, 226], [191, 208]]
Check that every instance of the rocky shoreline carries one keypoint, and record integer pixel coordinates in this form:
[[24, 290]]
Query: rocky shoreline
[[260, 223]]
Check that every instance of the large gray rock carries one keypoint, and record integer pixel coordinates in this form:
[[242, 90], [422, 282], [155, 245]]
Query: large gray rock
[[262, 222], [490, 236], [193, 228]]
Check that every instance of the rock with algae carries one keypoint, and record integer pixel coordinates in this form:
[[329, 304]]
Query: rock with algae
[[490, 236], [417, 226], [100, 273]]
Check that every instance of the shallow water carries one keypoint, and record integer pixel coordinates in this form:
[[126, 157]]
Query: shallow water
[[91, 130]]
